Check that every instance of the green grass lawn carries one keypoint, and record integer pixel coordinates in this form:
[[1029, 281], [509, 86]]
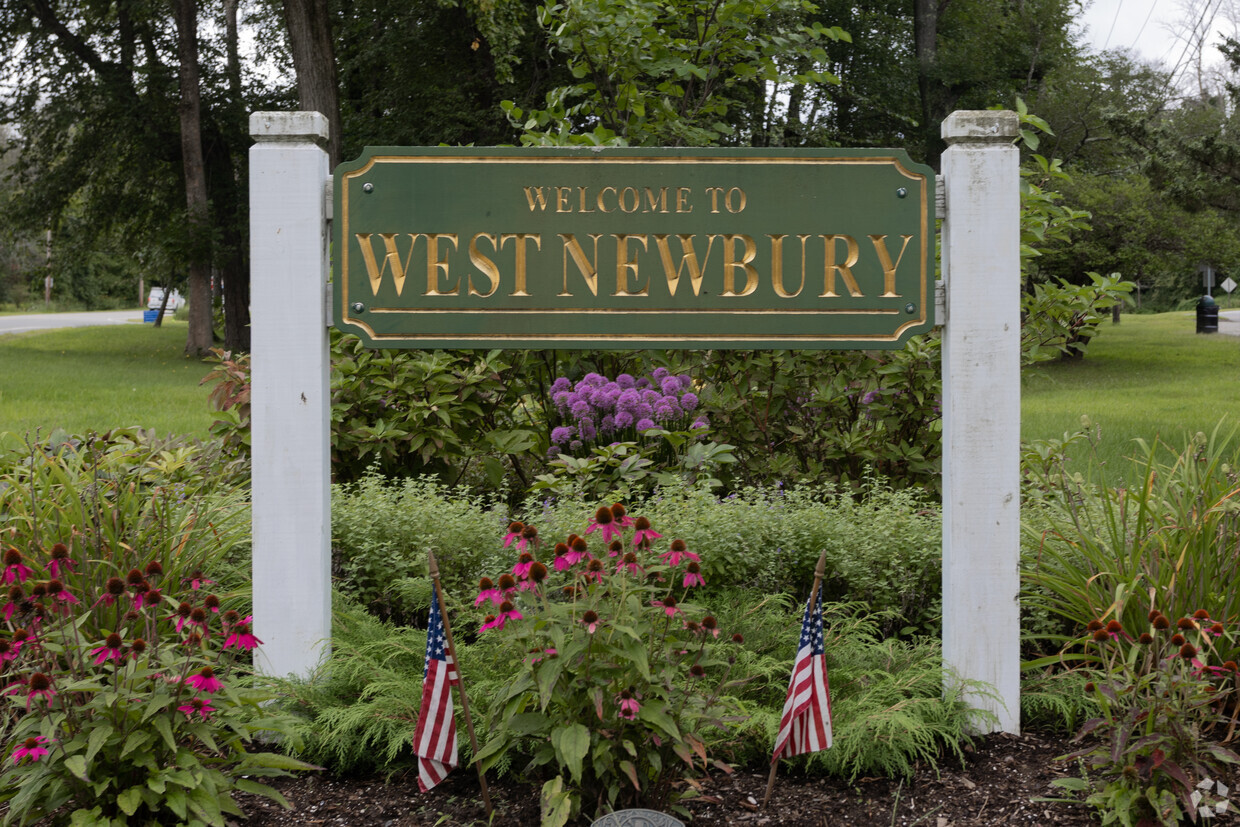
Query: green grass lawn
[[1145, 377], [97, 378]]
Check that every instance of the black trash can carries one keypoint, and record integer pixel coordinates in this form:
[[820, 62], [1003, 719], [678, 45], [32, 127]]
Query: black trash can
[[1207, 315]]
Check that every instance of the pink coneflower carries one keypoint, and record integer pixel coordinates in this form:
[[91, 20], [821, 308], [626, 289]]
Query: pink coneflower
[[522, 569], [198, 617], [622, 515], [197, 581], [197, 706], [538, 654], [507, 612], [628, 561], [60, 560], [7, 651], [711, 625], [615, 548], [644, 533], [594, 571], [693, 575], [31, 748], [628, 705], [530, 535], [204, 680], [487, 591], [14, 567], [667, 604], [605, 521], [40, 685], [675, 551], [110, 650], [112, 589], [182, 615], [57, 591], [241, 637], [514, 534], [16, 596], [211, 603], [590, 620]]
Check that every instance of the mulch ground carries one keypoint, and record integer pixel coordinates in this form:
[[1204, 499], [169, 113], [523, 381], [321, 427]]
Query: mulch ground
[[1003, 782]]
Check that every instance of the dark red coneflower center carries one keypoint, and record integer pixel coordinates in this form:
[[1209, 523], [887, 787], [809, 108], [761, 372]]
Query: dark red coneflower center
[[630, 558], [16, 593], [516, 527], [60, 551], [154, 596], [525, 557], [738, 638], [696, 670], [1201, 614], [1114, 627], [507, 581], [603, 516], [211, 601], [669, 602], [641, 524], [594, 565], [709, 622], [231, 616], [693, 567], [207, 672], [590, 616], [678, 545], [198, 615], [1146, 638], [184, 610], [1177, 640], [626, 694], [55, 586], [134, 577], [618, 511], [538, 572], [1101, 635], [31, 743], [579, 545], [1188, 651], [1154, 613], [485, 583], [506, 606], [12, 557], [138, 645], [40, 682], [1184, 624], [561, 549], [115, 586], [154, 568], [1161, 622], [1094, 625], [39, 590], [19, 635], [529, 532], [113, 641]]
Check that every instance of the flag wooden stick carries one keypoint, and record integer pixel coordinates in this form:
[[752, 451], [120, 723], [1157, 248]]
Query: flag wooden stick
[[460, 685], [820, 571]]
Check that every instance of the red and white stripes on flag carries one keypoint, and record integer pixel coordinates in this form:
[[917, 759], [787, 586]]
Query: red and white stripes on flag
[[805, 725], [434, 741]]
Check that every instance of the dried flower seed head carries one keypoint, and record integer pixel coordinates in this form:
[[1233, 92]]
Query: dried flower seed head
[[615, 547], [1177, 640], [40, 682], [1101, 636], [1146, 638], [506, 607], [1161, 623], [198, 615], [619, 511], [579, 545], [506, 582], [590, 616], [113, 641], [485, 583], [538, 572], [561, 549], [55, 586], [211, 601], [604, 516], [1217, 628], [1094, 625], [12, 557], [709, 622], [641, 524], [525, 558], [231, 616], [669, 601], [696, 670], [678, 545], [1114, 627], [630, 558], [134, 577], [1089, 687], [529, 532], [738, 638], [139, 645], [693, 567], [569, 591], [693, 626], [1231, 665], [38, 590], [1201, 614], [1184, 624], [516, 527], [153, 597], [115, 586], [16, 593], [594, 566], [1153, 615], [60, 552], [20, 634], [184, 610], [153, 569], [1188, 651]]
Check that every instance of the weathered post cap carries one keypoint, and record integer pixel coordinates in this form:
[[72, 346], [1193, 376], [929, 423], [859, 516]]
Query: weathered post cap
[[980, 126], [289, 126]]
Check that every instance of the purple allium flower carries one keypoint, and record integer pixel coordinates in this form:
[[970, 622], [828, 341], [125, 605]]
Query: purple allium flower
[[562, 400], [561, 384], [562, 435], [659, 374], [669, 385], [645, 424], [607, 425], [581, 408], [686, 381], [701, 422], [664, 413], [625, 381], [623, 419], [689, 401], [593, 380], [575, 445], [585, 429]]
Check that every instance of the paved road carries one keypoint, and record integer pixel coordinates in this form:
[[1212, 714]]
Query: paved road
[[51, 321], [1229, 322]]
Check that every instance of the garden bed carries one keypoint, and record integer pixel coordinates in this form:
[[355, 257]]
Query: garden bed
[[1001, 783]]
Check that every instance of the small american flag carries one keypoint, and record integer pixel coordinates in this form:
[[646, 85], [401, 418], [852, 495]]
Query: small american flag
[[805, 725], [434, 741]]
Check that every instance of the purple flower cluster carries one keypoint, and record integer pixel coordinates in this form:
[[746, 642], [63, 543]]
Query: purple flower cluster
[[597, 408]]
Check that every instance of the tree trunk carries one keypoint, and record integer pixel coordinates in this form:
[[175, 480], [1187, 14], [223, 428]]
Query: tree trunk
[[200, 337], [925, 43], [314, 58]]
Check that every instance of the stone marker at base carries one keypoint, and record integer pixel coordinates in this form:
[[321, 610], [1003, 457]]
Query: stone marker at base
[[637, 818]]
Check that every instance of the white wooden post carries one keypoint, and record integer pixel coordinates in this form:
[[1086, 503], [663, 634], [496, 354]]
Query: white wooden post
[[981, 407], [290, 402]]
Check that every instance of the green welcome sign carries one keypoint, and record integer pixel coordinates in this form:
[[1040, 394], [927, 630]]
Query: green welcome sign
[[661, 248]]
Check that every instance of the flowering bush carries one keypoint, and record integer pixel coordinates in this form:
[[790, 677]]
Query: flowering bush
[[598, 410], [124, 702], [619, 689], [1161, 728]]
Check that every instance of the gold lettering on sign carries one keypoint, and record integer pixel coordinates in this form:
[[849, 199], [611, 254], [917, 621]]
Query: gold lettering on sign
[[600, 199], [777, 266], [739, 206], [714, 198], [581, 193], [656, 203], [562, 195], [627, 205], [536, 195], [486, 265], [688, 258], [391, 259], [845, 269], [588, 269], [682, 200], [731, 265], [520, 239], [436, 265], [884, 258], [626, 265]]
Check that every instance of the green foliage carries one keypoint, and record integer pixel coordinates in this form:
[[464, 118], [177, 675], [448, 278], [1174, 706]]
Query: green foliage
[[668, 74], [1061, 319], [1118, 553], [1162, 698]]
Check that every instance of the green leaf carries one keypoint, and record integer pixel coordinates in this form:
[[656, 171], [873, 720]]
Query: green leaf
[[248, 786], [631, 772], [165, 729], [571, 744], [276, 761], [555, 803], [97, 738], [655, 712], [76, 764], [130, 800], [136, 740]]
